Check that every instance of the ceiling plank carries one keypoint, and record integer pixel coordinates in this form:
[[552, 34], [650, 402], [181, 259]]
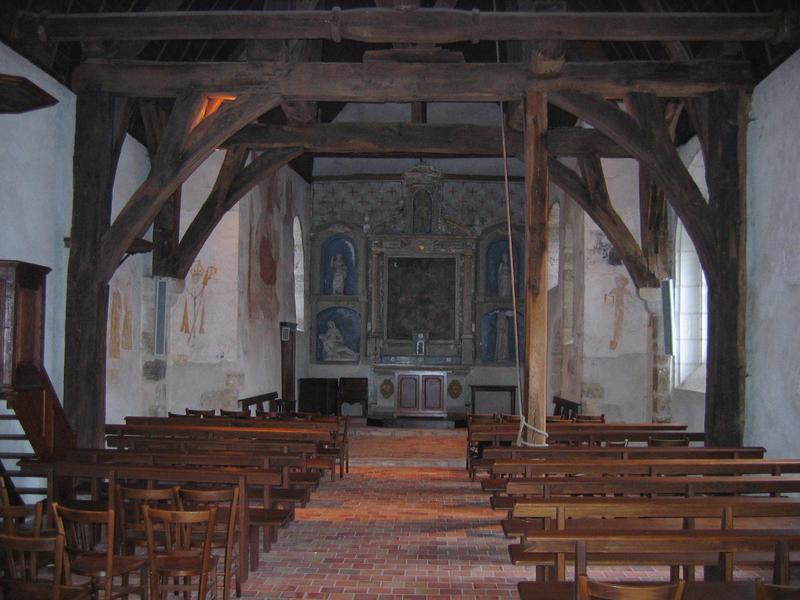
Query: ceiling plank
[[392, 82], [423, 26]]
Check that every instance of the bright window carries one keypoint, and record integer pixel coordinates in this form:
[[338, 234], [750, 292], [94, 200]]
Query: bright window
[[690, 314]]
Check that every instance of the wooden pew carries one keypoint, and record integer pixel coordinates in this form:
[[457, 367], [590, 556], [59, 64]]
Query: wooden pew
[[529, 470], [223, 432], [652, 486], [243, 478], [493, 453], [642, 547], [533, 516], [695, 590]]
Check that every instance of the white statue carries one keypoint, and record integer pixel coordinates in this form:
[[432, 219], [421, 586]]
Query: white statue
[[501, 337], [503, 277], [339, 268], [333, 346]]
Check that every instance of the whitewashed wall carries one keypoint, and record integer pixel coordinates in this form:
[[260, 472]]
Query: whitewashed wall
[[36, 200], [615, 363], [124, 332], [773, 270]]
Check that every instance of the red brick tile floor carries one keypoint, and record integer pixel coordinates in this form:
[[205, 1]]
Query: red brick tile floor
[[405, 523]]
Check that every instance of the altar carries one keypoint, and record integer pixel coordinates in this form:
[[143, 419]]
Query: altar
[[416, 298]]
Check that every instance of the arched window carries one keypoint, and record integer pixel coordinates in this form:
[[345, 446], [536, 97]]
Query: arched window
[[690, 314], [299, 276]]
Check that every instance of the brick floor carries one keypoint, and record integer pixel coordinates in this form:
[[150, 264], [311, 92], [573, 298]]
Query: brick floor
[[406, 523]]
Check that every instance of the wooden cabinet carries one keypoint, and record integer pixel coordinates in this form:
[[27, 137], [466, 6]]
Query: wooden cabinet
[[421, 393], [318, 395], [22, 296]]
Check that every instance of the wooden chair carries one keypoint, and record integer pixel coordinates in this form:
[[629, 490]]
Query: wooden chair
[[590, 418], [130, 503], [766, 591], [180, 558], [20, 577], [225, 537], [16, 520], [199, 412], [588, 590], [667, 443], [90, 553]]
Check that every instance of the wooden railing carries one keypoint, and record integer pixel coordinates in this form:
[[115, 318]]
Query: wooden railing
[[43, 418]]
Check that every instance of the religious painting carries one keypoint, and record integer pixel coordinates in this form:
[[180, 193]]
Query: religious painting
[[498, 269], [339, 267], [193, 320], [497, 336], [338, 335], [615, 297], [421, 297]]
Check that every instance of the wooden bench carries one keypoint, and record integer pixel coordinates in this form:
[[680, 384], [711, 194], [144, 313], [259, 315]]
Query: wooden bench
[[645, 547], [694, 590], [616, 514], [222, 432], [530, 470], [687, 486], [493, 453]]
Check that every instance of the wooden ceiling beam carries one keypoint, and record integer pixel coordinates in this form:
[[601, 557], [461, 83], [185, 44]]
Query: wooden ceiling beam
[[423, 26], [419, 139], [181, 150], [591, 194], [393, 82], [649, 142], [233, 182]]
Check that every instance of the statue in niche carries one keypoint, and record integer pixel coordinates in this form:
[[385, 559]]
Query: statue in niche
[[501, 336], [339, 269], [503, 277], [333, 346]]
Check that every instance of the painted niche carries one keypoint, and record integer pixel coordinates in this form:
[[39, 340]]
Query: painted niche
[[339, 266], [498, 269], [497, 335], [338, 335]]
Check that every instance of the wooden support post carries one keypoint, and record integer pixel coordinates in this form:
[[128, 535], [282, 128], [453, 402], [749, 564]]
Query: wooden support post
[[725, 172], [101, 121], [536, 217], [653, 223]]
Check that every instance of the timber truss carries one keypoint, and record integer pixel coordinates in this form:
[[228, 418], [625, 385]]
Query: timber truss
[[559, 67]]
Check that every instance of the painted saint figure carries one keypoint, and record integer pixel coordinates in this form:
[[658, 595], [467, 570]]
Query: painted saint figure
[[616, 297], [503, 277], [194, 314], [501, 336], [333, 345], [339, 268]]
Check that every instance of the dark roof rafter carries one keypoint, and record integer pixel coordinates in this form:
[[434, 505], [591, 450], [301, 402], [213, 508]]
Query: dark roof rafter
[[423, 26], [391, 82]]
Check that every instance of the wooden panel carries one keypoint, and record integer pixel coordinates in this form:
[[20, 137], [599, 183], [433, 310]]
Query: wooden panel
[[433, 392], [407, 388]]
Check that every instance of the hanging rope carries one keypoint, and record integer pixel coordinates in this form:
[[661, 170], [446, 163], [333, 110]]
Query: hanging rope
[[523, 423]]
